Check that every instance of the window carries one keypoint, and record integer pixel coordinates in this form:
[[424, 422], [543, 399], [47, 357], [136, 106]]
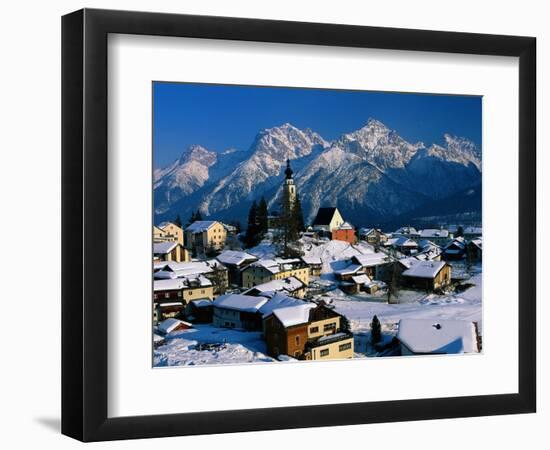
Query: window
[[166, 295], [297, 339], [314, 330], [329, 326], [344, 347], [323, 352]]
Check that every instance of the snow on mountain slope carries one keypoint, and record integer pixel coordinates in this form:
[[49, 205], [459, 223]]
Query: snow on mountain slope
[[269, 153], [371, 173], [379, 145], [183, 177]]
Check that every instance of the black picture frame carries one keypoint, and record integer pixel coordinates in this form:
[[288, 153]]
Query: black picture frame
[[84, 224]]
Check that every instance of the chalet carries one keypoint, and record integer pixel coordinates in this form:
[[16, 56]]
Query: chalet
[[474, 250], [235, 261], [200, 311], [327, 220], [344, 232], [373, 263], [171, 232], [265, 270], [182, 290], [238, 311], [408, 232], [429, 251], [315, 265], [346, 273], [170, 251], [171, 325], [212, 269], [454, 250], [437, 337], [437, 236], [164, 310], [355, 284], [204, 236], [291, 286], [373, 236], [307, 331], [428, 275], [470, 233], [403, 245]]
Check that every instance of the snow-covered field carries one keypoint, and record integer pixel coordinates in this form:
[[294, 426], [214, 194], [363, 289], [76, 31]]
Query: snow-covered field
[[226, 347]]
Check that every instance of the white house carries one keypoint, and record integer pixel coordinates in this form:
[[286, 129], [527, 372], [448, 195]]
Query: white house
[[432, 336]]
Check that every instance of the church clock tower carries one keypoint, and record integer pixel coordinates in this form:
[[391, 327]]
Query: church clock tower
[[289, 186]]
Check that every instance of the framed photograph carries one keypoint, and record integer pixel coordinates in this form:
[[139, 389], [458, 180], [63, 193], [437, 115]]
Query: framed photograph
[[273, 225]]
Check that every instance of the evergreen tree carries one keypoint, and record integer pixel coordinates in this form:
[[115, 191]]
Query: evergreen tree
[[262, 217], [375, 330], [287, 235], [177, 221], [198, 215], [459, 231], [298, 216], [192, 219], [251, 235]]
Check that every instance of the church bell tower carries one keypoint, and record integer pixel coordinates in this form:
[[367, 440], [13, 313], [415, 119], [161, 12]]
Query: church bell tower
[[289, 186]]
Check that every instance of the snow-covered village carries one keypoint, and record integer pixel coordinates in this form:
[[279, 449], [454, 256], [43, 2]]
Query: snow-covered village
[[284, 291], [301, 248]]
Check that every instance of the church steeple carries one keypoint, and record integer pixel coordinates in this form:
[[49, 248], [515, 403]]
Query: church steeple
[[288, 171], [289, 187]]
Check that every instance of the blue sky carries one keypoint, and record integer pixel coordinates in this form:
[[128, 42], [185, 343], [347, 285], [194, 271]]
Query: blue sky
[[221, 116]]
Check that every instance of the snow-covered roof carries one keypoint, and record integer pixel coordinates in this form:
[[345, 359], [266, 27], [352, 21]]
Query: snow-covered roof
[[349, 270], [424, 269], [186, 269], [294, 315], [458, 242], [477, 242], [169, 325], [332, 337], [240, 302], [235, 257], [289, 284], [407, 230], [279, 300], [201, 225], [404, 242], [371, 259], [157, 338], [345, 226], [168, 285], [202, 302], [276, 265], [473, 230], [438, 336], [434, 233], [361, 279], [162, 248], [312, 260]]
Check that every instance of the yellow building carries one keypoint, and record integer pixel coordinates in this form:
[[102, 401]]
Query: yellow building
[[204, 235], [172, 232], [266, 270], [337, 346], [170, 251]]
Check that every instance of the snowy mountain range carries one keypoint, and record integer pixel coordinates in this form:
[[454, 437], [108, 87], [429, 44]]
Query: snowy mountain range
[[371, 174]]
